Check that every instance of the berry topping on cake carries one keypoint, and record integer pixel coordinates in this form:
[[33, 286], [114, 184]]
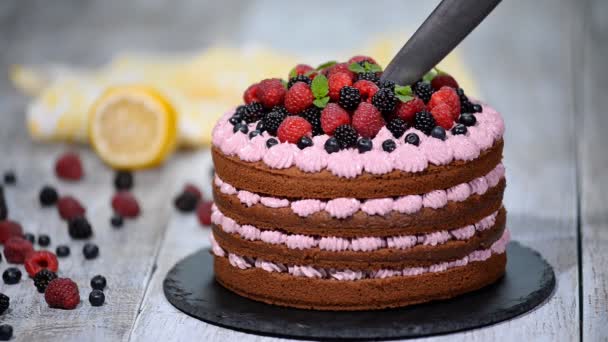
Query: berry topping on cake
[[407, 110], [467, 119], [313, 116], [443, 115], [389, 145], [271, 142], [336, 82], [423, 121], [300, 69], [250, 94], [397, 126], [333, 116], [361, 58], [340, 67], [438, 132], [368, 76], [448, 97], [367, 120], [412, 138], [350, 97], [459, 129], [387, 84], [252, 113], [364, 145], [293, 128], [254, 133], [304, 142], [385, 100], [273, 120], [270, 92], [367, 89], [443, 79], [423, 90], [332, 145], [240, 127], [465, 104], [346, 136], [298, 98], [298, 78]]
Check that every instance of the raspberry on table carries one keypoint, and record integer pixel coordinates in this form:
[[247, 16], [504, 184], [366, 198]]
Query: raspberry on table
[[62, 293], [48, 196], [11, 276], [203, 212], [193, 189], [9, 229], [340, 68], [336, 82], [333, 116], [80, 228], [125, 204], [423, 121], [407, 110], [39, 260], [367, 120], [250, 94], [43, 278], [350, 97], [448, 97], [346, 136], [5, 302], [293, 128], [367, 89], [298, 98], [69, 167], [443, 115], [301, 69], [397, 126], [270, 92], [16, 249], [69, 208], [123, 180]]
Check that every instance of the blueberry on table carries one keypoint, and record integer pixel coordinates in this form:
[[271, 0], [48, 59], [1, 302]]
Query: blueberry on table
[[11, 275], [97, 297], [62, 251], [48, 196], [44, 240], [6, 332], [116, 221], [123, 180], [4, 303], [98, 282], [10, 178], [90, 251]]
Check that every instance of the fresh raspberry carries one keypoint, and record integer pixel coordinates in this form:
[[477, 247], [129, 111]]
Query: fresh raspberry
[[333, 116], [62, 293], [298, 98], [444, 80], [293, 128], [367, 120], [360, 58], [271, 92], [407, 110], [443, 115], [301, 69], [203, 212], [367, 89], [449, 97], [69, 167], [250, 94], [125, 204], [336, 82], [9, 229], [16, 249], [69, 208], [39, 260], [193, 189], [340, 67]]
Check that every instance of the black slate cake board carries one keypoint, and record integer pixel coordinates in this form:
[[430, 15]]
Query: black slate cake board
[[529, 280]]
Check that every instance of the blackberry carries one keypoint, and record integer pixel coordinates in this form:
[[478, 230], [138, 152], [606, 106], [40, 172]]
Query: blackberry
[[254, 133], [254, 112], [313, 115], [98, 282], [412, 138], [240, 127], [48, 196], [186, 202], [364, 145], [299, 78], [438, 132], [280, 109], [424, 122], [423, 90], [5, 302], [350, 97], [387, 84], [467, 119], [62, 251], [346, 136], [385, 100], [90, 251], [397, 127], [389, 145], [332, 145], [11, 275], [97, 297], [10, 178], [29, 237], [43, 278], [271, 142], [44, 240], [80, 228], [465, 105], [273, 120], [6, 332], [368, 76], [116, 221], [238, 115], [459, 129], [123, 180], [304, 142]]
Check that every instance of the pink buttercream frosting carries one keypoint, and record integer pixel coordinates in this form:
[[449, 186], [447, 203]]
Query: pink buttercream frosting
[[273, 202], [307, 207], [254, 151], [409, 158], [437, 152], [479, 186], [345, 163], [248, 198], [377, 162], [459, 192], [280, 156], [381, 206], [311, 160], [342, 207], [463, 147], [408, 204], [435, 199]]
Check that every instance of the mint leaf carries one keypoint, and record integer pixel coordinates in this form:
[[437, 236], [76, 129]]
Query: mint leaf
[[404, 98], [320, 87], [293, 73], [284, 83], [369, 67], [310, 72], [404, 93], [326, 65], [429, 76], [321, 102], [356, 67]]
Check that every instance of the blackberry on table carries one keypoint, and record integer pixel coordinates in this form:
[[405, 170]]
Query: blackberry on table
[[299, 78], [350, 97], [48, 196], [186, 202], [385, 100], [423, 90], [123, 180], [346, 136], [368, 76], [397, 126], [43, 278], [116, 221], [10, 178], [62, 251], [273, 120], [423, 121], [5, 302], [313, 115], [80, 228]]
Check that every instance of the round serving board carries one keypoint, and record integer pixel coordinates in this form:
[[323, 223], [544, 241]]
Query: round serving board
[[529, 280]]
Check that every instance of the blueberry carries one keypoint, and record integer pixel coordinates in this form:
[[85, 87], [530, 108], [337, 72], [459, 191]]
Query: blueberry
[[304, 142], [10, 178], [364, 145], [389, 145], [235, 119], [116, 221], [459, 129], [467, 119], [6, 332], [186, 202], [29, 237], [271, 142], [254, 133], [477, 108], [90, 251], [412, 138], [48, 196], [11, 275], [123, 180], [62, 251], [438, 132], [5, 303], [98, 282], [97, 297], [240, 128], [44, 240], [260, 126], [332, 145]]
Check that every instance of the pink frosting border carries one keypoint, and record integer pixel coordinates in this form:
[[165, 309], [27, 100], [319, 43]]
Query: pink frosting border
[[349, 163], [337, 244], [243, 262], [346, 207]]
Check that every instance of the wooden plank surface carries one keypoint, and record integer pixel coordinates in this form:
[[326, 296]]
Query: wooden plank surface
[[593, 163]]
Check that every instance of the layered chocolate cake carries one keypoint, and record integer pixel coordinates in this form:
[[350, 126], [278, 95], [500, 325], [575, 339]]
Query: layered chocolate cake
[[338, 191]]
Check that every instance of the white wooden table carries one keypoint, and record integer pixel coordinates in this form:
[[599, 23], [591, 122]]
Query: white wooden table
[[541, 63]]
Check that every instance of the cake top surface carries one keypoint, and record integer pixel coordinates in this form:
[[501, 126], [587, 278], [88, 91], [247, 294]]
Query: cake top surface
[[342, 118]]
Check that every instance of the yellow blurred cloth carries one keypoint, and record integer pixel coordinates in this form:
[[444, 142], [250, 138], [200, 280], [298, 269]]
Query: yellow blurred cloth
[[200, 87]]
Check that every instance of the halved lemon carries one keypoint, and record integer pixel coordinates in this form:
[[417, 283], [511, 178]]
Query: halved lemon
[[133, 127]]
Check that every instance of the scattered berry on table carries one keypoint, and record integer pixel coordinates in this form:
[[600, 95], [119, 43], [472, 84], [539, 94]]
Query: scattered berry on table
[[364, 145], [443, 80], [407, 110], [9, 229], [254, 134], [446, 96], [116, 221], [97, 297], [62, 251], [298, 98], [367, 120], [443, 115], [459, 129], [350, 97], [273, 120], [90, 251], [438, 132], [69, 208], [69, 167], [331, 145], [336, 82], [30, 237], [11, 276], [333, 116], [10, 178], [3, 208], [397, 126], [367, 89], [193, 189], [203, 212], [298, 78], [6, 332], [39, 260], [412, 138], [240, 127], [313, 116], [368, 76], [387, 84], [5, 302], [48, 196], [44, 240], [16, 249], [271, 92], [271, 142], [385, 100], [423, 121], [98, 282], [250, 94], [43, 278], [125, 204], [346, 135], [80, 228], [423, 90], [123, 180], [304, 142], [186, 202], [293, 128], [62, 293], [389, 145], [467, 119]]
